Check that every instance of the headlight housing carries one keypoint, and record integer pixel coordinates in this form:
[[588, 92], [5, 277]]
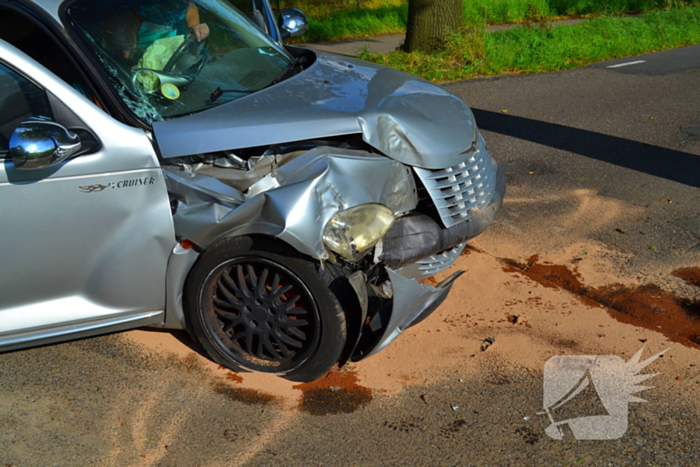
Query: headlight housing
[[357, 229]]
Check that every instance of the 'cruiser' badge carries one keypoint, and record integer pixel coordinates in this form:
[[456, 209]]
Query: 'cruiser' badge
[[132, 182]]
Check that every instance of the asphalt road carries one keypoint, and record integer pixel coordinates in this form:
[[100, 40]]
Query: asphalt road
[[599, 158], [629, 133]]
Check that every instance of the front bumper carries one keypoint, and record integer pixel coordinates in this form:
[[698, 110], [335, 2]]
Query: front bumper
[[412, 301]]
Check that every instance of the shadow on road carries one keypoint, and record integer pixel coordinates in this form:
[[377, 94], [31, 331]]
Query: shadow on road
[[673, 165]]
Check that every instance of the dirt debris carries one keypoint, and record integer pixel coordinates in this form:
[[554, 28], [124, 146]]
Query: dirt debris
[[486, 343], [247, 396], [690, 275], [231, 376], [337, 392], [646, 306]]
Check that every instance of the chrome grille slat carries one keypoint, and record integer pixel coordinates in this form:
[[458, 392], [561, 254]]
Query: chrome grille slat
[[445, 195], [433, 264], [439, 262], [458, 169]]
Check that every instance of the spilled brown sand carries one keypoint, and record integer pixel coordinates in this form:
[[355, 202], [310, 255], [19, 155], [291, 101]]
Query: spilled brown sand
[[646, 306], [531, 318]]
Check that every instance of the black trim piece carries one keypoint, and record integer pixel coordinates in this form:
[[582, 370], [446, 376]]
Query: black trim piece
[[48, 26]]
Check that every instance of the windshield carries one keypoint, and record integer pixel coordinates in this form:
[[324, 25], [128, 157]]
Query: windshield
[[168, 58]]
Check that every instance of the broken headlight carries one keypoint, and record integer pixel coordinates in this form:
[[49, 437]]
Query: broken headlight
[[357, 229]]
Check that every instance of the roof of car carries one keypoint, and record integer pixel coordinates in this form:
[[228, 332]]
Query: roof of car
[[48, 6]]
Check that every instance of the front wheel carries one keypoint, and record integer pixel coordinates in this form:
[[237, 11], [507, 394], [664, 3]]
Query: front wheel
[[256, 304]]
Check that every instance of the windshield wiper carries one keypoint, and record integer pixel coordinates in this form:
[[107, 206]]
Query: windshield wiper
[[218, 92], [288, 68]]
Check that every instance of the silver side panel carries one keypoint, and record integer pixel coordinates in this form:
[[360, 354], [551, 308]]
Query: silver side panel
[[78, 329], [87, 241], [293, 203]]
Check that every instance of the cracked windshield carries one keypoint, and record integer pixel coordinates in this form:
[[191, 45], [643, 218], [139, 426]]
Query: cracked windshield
[[168, 58]]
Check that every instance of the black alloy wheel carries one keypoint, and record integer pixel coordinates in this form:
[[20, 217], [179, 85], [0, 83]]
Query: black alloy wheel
[[263, 313], [265, 308]]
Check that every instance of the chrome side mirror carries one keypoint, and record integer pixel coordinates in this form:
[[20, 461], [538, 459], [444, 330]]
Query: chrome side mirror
[[293, 23], [41, 144]]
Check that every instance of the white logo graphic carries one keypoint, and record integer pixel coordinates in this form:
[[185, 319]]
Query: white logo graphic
[[587, 395]]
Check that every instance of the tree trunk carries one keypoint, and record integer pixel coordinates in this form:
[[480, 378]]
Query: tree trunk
[[430, 23]]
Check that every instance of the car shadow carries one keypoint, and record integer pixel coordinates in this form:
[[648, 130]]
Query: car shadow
[[670, 164]]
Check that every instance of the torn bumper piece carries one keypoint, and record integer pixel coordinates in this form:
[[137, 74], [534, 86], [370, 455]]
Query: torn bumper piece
[[412, 303]]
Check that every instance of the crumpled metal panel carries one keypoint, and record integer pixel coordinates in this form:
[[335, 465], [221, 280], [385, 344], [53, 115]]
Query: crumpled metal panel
[[409, 119], [413, 302], [179, 265], [294, 202], [463, 189]]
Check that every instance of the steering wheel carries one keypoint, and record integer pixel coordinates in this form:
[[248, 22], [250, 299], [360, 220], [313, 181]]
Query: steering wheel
[[183, 66], [190, 57]]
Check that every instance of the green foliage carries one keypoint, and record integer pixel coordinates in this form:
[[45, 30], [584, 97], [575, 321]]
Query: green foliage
[[358, 23], [588, 7], [534, 49], [342, 19], [503, 11]]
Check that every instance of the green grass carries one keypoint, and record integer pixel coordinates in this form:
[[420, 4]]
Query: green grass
[[357, 23], [535, 49], [341, 19]]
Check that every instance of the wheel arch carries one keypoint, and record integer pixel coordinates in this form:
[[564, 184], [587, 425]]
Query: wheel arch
[[182, 261]]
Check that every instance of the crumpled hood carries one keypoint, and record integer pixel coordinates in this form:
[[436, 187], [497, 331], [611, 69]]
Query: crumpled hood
[[408, 119]]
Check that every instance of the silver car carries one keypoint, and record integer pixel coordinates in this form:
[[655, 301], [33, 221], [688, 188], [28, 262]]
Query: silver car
[[171, 163]]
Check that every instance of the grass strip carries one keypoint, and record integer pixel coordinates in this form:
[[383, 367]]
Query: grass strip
[[337, 20], [540, 49], [357, 23]]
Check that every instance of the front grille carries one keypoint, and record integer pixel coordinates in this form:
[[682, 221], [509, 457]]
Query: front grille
[[463, 189]]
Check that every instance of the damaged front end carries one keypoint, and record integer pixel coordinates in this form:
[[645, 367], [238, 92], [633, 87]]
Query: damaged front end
[[379, 173], [385, 224]]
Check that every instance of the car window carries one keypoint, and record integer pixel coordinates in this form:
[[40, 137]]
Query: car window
[[160, 68], [244, 6], [22, 33], [19, 100]]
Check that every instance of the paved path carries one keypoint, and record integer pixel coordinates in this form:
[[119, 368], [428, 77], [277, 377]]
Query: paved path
[[388, 43]]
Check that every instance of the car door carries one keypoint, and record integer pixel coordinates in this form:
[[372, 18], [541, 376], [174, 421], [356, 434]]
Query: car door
[[84, 244]]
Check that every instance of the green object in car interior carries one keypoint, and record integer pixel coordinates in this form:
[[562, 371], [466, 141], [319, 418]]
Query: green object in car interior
[[156, 57]]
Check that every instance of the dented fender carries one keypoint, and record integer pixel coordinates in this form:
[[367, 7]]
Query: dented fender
[[293, 203]]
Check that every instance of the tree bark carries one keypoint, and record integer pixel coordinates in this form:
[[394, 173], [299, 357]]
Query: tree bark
[[430, 23]]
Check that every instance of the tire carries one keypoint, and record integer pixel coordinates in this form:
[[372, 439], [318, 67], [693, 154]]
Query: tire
[[298, 331]]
